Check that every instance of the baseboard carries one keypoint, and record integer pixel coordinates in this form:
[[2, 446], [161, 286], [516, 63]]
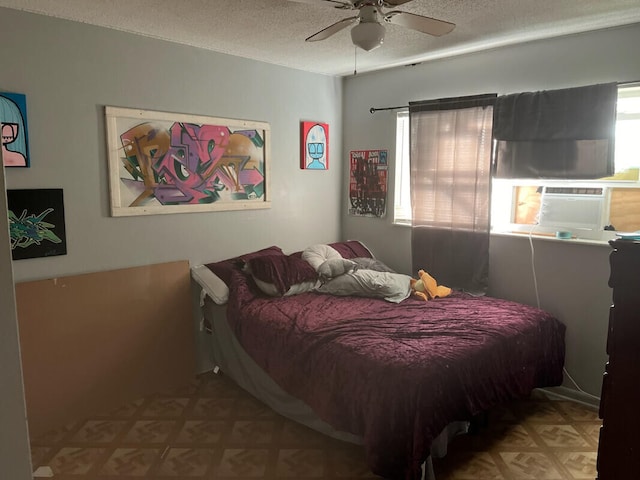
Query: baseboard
[[573, 395]]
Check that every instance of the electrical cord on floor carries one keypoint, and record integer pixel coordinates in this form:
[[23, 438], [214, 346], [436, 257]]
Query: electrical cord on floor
[[533, 265], [535, 286], [578, 386]]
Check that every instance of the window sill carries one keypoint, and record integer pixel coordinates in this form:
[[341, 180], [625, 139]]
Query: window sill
[[552, 238], [402, 223], [541, 236]]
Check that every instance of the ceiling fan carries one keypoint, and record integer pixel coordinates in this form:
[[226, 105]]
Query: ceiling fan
[[368, 33]]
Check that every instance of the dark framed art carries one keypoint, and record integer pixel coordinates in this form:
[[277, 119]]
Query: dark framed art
[[368, 171], [36, 223]]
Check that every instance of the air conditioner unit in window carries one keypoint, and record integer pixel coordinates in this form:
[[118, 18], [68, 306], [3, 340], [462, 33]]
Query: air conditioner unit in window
[[583, 211]]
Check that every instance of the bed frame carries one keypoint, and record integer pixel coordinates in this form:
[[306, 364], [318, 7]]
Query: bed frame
[[230, 358]]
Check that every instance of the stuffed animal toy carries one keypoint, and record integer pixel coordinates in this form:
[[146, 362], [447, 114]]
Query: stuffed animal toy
[[427, 288]]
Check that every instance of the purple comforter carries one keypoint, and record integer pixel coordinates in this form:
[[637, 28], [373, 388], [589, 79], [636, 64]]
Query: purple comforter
[[397, 374]]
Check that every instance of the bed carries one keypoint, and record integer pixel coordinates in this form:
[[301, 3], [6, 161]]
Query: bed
[[399, 376]]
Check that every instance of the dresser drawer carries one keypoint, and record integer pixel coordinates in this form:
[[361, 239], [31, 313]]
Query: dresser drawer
[[604, 393], [610, 329]]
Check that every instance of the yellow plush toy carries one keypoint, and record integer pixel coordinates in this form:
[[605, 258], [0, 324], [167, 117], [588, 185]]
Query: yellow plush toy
[[427, 288]]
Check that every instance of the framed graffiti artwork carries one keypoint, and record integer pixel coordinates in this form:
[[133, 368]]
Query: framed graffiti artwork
[[15, 134], [36, 223], [314, 142], [368, 171], [175, 163]]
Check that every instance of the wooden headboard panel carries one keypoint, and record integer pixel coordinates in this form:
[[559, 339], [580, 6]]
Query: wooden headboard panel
[[93, 342]]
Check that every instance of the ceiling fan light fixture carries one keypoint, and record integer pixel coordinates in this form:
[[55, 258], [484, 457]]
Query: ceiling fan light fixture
[[367, 35]]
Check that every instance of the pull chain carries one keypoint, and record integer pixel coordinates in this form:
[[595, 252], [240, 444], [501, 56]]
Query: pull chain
[[355, 51]]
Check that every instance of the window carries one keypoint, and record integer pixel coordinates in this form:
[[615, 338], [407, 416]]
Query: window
[[516, 203], [628, 129], [402, 203]]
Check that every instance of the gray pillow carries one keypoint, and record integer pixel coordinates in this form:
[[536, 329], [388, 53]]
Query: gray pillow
[[392, 287], [371, 264], [335, 266]]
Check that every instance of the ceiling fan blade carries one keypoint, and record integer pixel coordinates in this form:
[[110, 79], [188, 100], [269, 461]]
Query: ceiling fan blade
[[341, 4], [431, 26], [395, 3], [331, 29]]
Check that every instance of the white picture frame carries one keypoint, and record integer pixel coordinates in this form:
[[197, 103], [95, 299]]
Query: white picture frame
[[161, 162]]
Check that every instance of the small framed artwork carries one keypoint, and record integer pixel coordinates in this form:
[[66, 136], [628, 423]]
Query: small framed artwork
[[314, 141], [368, 176], [13, 120], [36, 223], [162, 162]]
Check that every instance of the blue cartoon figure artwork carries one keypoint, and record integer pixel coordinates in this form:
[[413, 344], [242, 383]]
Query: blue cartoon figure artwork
[[315, 146], [13, 121]]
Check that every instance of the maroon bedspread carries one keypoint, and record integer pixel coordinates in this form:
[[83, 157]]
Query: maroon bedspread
[[397, 374]]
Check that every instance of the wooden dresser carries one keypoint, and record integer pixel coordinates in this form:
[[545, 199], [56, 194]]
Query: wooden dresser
[[619, 447]]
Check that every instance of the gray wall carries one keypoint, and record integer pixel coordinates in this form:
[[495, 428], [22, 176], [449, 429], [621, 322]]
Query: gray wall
[[70, 71], [15, 462], [572, 278]]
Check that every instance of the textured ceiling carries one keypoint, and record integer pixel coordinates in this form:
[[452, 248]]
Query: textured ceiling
[[273, 31]]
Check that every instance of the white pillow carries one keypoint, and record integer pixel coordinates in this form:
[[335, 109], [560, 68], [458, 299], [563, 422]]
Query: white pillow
[[316, 255], [211, 284]]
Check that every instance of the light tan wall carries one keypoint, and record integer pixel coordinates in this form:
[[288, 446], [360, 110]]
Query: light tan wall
[[93, 342]]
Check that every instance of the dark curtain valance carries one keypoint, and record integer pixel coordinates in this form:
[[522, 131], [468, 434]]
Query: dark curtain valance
[[567, 133], [453, 103], [582, 113]]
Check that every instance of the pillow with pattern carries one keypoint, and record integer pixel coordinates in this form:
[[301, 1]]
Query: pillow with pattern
[[224, 268], [282, 275]]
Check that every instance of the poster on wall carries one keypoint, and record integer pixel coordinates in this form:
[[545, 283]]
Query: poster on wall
[[314, 140], [36, 223], [368, 171], [163, 162], [13, 120]]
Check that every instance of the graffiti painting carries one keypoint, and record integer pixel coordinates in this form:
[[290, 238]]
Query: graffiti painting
[[36, 223], [368, 183], [13, 121], [314, 140], [173, 163]]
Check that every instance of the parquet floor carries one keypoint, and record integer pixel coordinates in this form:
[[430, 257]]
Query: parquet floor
[[539, 438], [214, 430]]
